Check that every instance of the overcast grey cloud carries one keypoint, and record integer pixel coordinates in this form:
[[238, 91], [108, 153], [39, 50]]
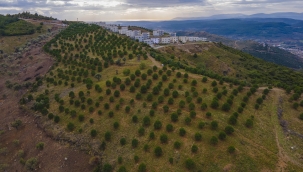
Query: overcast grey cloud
[[96, 10]]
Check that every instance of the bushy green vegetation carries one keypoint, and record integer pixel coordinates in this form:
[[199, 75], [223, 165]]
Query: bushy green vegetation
[[11, 26]]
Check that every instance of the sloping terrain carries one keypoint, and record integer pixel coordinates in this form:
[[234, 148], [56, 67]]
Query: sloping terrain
[[21, 136], [104, 94], [265, 52], [223, 62]]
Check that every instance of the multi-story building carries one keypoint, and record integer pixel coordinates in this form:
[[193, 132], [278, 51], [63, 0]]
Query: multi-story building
[[165, 40], [155, 40], [173, 39], [146, 35], [158, 32], [139, 38], [183, 39], [148, 41]]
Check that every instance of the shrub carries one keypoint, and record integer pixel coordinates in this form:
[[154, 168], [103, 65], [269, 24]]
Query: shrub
[[107, 136], [229, 129], [214, 140], [214, 104], [182, 132], [141, 131], [214, 125], [127, 109], [163, 138], [215, 89], [50, 116], [40, 145], [171, 160], [295, 105], [110, 114], [142, 168], [222, 135], [157, 125], [203, 106], [190, 164], [158, 151], [177, 145], [56, 119], [249, 123], [170, 101], [93, 133], [174, 117], [135, 119], [259, 100], [151, 135], [231, 149], [146, 121], [116, 125], [135, 143], [214, 83], [31, 163], [187, 120], [198, 136], [301, 116], [181, 103], [122, 141], [117, 93], [204, 79], [208, 114], [175, 94], [194, 149], [226, 107], [232, 120], [169, 128], [70, 126], [192, 114], [107, 167]]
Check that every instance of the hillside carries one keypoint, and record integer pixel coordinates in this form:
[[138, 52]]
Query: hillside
[[12, 26], [222, 62], [267, 53], [106, 95]]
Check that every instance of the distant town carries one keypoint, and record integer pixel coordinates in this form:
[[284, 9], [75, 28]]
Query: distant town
[[152, 38]]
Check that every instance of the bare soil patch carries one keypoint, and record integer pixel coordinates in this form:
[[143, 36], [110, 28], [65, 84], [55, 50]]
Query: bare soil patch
[[55, 156]]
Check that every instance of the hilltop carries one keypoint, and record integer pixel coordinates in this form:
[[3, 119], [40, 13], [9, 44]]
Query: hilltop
[[112, 97]]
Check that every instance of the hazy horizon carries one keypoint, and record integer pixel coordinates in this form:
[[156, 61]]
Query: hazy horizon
[[138, 10]]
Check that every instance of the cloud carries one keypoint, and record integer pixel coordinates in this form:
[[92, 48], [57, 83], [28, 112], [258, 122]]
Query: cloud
[[145, 9]]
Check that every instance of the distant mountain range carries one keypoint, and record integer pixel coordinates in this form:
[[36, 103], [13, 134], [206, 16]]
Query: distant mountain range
[[290, 15]]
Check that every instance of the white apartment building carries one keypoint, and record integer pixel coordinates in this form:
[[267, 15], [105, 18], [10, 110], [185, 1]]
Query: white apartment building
[[202, 39], [148, 41], [146, 35], [173, 39], [192, 39], [158, 32], [133, 33], [155, 40], [165, 40], [183, 39], [139, 38], [113, 28], [122, 31]]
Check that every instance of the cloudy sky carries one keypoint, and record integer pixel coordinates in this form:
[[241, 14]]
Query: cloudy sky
[[111, 10]]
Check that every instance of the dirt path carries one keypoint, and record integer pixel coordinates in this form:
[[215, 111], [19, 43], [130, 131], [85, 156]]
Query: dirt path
[[56, 157]]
